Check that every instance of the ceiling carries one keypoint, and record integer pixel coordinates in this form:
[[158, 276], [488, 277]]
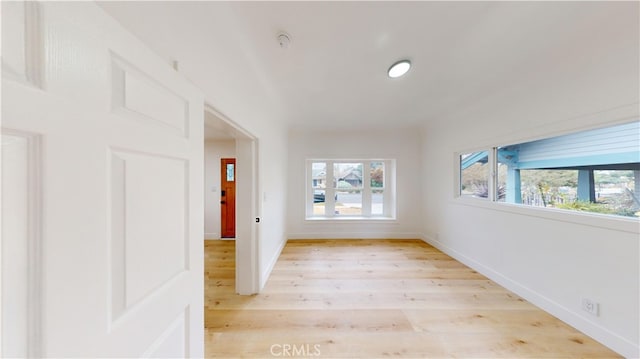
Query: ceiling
[[333, 75], [217, 129]]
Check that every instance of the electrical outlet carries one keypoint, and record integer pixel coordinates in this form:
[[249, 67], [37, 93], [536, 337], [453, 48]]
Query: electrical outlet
[[590, 306]]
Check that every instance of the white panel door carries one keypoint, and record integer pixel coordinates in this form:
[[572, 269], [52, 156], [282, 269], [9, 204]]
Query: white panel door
[[120, 204]]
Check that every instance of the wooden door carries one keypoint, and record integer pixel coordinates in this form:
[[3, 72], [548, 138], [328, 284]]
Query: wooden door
[[121, 204], [228, 197]]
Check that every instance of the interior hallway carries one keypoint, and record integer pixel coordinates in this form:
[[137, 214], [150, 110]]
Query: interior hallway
[[372, 299]]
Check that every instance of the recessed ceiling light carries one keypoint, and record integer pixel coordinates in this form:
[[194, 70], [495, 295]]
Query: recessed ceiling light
[[399, 68]]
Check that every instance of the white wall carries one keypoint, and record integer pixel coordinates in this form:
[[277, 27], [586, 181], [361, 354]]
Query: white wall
[[401, 145], [214, 150], [273, 191], [551, 258]]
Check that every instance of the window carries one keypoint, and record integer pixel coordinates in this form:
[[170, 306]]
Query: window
[[595, 171], [474, 174], [350, 189], [230, 172]]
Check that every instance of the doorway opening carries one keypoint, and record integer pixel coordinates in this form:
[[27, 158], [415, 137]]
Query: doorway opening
[[231, 173]]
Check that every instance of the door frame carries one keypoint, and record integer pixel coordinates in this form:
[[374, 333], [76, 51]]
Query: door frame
[[247, 207]]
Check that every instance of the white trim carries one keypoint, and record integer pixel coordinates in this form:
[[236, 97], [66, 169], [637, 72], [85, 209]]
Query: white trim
[[389, 193], [628, 224], [272, 263], [32, 71], [354, 235], [212, 236], [597, 332], [354, 219], [34, 245], [182, 320], [611, 222], [249, 260], [244, 132], [34, 46]]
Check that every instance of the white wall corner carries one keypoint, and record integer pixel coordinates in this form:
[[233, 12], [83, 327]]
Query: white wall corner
[[599, 333], [264, 276]]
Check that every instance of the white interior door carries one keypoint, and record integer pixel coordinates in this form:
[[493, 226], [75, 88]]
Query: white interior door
[[119, 138]]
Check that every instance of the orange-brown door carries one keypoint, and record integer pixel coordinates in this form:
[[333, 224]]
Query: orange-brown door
[[228, 197]]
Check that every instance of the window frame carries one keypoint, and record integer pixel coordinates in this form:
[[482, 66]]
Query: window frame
[[388, 190], [612, 221]]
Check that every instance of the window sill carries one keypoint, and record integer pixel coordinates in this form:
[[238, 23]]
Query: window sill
[[617, 223], [353, 219]]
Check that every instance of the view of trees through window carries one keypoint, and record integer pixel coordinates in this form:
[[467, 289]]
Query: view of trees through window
[[559, 189], [613, 189], [594, 170]]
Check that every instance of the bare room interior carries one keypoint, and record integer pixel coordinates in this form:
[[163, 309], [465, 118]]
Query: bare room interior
[[320, 179]]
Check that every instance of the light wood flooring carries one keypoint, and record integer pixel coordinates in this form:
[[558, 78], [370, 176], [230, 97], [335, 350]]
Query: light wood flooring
[[376, 299]]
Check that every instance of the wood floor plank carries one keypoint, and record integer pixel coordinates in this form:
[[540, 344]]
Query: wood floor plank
[[388, 285], [316, 320], [376, 299]]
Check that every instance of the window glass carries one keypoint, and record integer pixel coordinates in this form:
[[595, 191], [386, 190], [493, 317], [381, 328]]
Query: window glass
[[349, 188], [507, 162], [594, 171], [319, 174], [474, 174], [230, 172], [377, 202], [377, 174], [319, 200], [548, 188], [347, 176], [349, 202]]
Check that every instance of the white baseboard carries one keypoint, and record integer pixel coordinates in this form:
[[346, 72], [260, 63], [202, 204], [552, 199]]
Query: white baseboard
[[603, 335], [353, 235], [264, 276], [212, 236]]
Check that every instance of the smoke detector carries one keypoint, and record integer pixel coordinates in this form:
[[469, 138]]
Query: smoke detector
[[284, 40]]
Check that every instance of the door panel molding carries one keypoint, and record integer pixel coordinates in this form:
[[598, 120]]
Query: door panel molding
[[137, 95], [135, 194], [22, 235], [172, 343], [23, 50]]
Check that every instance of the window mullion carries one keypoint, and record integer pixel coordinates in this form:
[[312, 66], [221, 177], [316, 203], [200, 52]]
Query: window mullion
[[310, 189], [493, 174], [329, 197], [387, 194], [366, 189]]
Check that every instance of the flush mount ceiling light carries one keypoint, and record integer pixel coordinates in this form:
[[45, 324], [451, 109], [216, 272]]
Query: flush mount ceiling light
[[399, 68]]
